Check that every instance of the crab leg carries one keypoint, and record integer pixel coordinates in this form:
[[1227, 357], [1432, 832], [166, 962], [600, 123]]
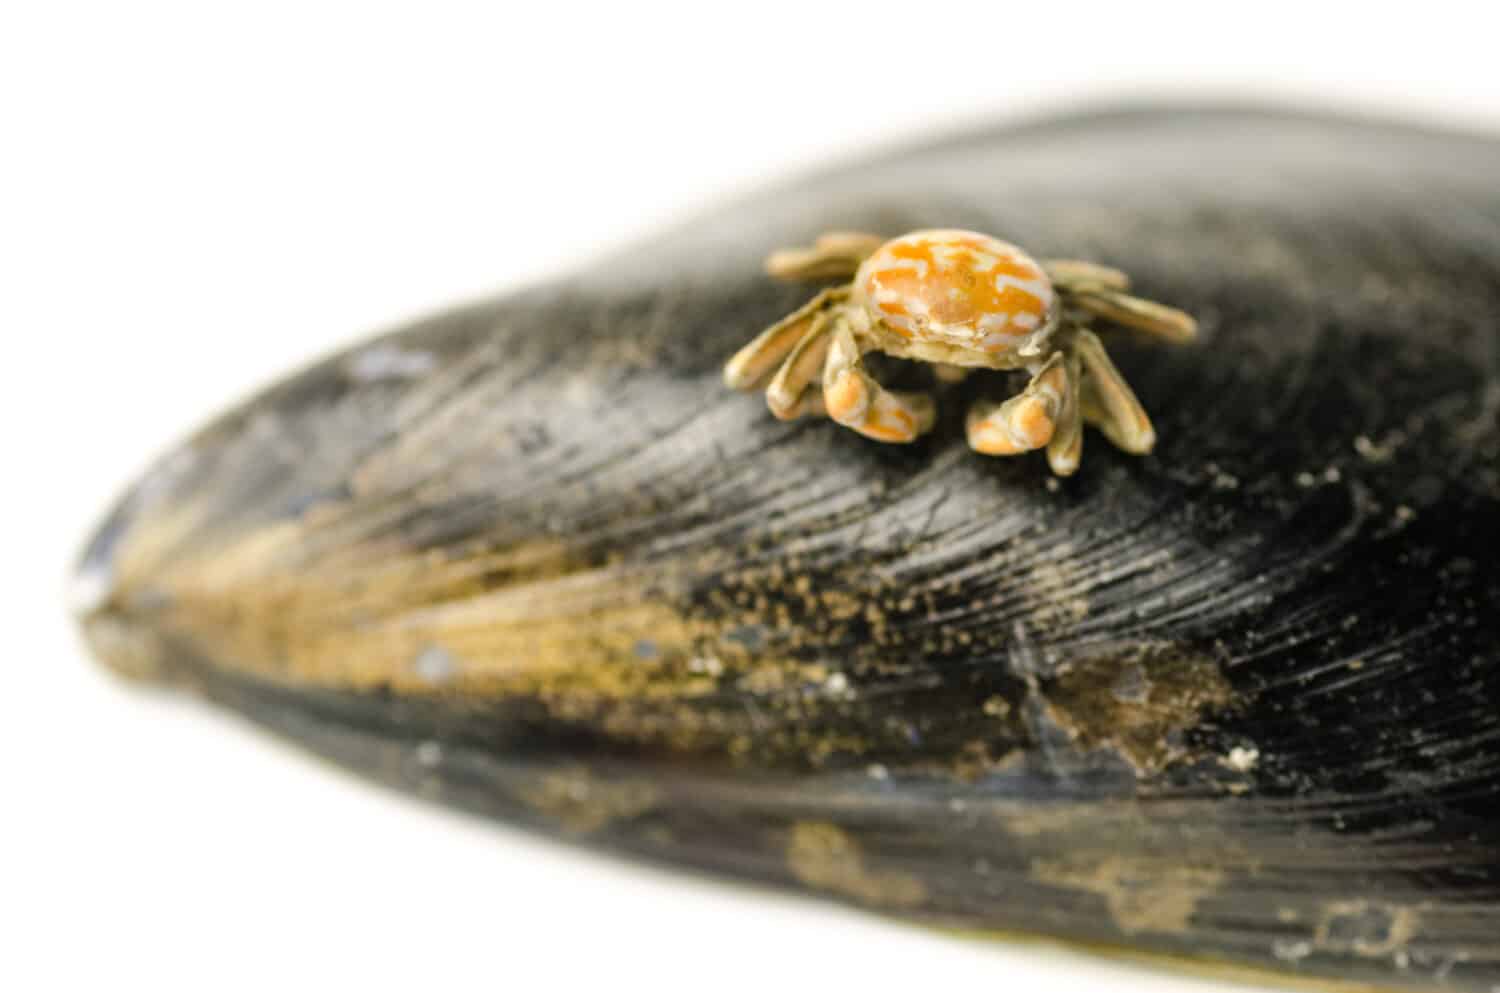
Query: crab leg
[[1070, 274], [1066, 447], [1108, 402], [752, 364], [1027, 420], [855, 400], [788, 395], [1167, 323], [836, 254]]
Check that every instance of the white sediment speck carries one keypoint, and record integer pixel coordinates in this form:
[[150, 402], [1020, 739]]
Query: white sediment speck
[[1373, 451], [429, 754], [389, 362], [1291, 951], [878, 771], [1222, 480], [706, 664], [435, 665], [996, 706], [1242, 759]]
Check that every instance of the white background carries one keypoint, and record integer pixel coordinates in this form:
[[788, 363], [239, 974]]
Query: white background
[[195, 198]]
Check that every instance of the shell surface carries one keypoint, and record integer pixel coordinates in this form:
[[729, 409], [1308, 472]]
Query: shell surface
[[1237, 701], [956, 287]]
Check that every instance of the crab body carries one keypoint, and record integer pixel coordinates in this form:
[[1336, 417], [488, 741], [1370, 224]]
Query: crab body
[[959, 300], [957, 297]]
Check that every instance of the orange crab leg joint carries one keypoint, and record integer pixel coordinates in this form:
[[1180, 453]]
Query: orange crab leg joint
[[1026, 422], [846, 397]]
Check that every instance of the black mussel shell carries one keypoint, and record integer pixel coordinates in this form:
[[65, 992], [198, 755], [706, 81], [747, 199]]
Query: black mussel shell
[[1236, 701]]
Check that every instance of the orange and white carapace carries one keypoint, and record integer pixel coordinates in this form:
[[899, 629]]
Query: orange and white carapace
[[959, 300]]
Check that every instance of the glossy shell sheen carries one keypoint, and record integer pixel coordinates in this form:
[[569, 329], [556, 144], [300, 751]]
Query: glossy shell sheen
[[1238, 701], [956, 287]]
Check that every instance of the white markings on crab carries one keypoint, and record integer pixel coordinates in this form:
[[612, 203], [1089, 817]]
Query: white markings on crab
[[1038, 287], [918, 266], [1036, 342], [918, 312], [949, 256], [1049, 391]]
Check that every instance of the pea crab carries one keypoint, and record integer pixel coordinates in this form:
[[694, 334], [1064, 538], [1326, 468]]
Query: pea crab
[[961, 301]]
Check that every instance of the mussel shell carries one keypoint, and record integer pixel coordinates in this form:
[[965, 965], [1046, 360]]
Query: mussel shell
[[1239, 700]]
